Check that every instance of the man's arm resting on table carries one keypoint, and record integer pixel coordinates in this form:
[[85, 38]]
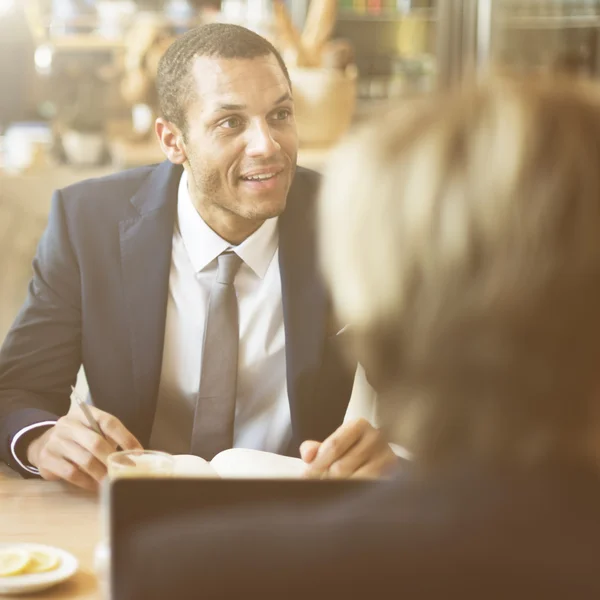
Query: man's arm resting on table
[[41, 353]]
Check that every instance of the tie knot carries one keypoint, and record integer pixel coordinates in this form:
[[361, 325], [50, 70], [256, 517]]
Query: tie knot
[[229, 263]]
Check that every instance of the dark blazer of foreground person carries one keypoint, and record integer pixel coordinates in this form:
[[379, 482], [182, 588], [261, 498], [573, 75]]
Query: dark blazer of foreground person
[[470, 534]]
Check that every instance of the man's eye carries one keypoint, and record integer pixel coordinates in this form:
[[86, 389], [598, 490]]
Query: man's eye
[[283, 114], [231, 123]]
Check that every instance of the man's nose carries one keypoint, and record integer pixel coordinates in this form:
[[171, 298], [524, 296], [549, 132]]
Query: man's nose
[[261, 142]]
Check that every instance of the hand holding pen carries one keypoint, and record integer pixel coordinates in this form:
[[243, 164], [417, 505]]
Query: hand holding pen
[[87, 413], [76, 447]]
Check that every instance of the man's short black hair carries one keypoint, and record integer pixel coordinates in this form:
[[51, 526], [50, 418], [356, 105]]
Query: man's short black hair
[[174, 83]]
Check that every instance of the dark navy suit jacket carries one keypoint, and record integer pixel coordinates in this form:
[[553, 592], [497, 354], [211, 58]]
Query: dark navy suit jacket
[[98, 297], [468, 533]]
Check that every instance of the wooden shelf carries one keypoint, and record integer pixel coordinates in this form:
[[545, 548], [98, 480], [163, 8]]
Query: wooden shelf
[[384, 17], [557, 22], [83, 43]]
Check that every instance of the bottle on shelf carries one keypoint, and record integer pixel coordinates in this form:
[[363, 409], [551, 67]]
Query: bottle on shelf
[[374, 7], [359, 6]]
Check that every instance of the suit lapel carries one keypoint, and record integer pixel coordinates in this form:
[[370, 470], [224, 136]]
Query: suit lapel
[[304, 305], [146, 241]]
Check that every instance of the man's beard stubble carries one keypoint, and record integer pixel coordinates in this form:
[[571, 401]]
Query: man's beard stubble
[[209, 185]]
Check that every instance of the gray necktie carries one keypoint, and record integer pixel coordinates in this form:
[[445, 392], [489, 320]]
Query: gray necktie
[[215, 406]]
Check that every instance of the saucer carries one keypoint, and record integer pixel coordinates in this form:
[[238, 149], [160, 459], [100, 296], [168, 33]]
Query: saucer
[[35, 582]]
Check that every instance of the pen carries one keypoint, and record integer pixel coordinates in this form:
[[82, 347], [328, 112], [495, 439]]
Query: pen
[[85, 409]]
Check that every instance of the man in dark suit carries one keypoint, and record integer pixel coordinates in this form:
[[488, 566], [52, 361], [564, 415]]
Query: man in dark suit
[[188, 290]]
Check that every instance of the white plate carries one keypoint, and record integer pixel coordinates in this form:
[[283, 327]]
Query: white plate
[[35, 582]]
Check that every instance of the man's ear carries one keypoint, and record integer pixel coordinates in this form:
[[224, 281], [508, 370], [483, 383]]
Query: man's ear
[[171, 141]]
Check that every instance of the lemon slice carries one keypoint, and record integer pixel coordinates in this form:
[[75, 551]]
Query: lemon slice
[[13, 561], [42, 561]]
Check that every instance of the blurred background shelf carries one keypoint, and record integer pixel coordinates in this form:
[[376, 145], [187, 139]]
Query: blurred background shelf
[[86, 65], [558, 22], [382, 14]]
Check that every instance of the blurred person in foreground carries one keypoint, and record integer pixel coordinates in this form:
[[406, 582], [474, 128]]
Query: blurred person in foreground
[[460, 237]]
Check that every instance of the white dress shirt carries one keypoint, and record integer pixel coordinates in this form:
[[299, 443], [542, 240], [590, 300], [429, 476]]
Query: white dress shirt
[[262, 414]]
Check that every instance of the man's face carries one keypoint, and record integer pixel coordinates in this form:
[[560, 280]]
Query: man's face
[[241, 141]]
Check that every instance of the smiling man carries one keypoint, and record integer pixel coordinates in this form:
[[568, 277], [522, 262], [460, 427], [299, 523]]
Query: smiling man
[[189, 291]]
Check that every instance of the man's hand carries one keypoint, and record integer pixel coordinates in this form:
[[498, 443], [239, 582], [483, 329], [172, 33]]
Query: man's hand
[[71, 451], [356, 449]]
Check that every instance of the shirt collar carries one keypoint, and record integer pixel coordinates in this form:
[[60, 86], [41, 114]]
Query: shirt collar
[[203, 245]]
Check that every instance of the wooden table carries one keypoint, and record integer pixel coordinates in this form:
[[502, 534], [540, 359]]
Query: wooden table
[[51, 513]]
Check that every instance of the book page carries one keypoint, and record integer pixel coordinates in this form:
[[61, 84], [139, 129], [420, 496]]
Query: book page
[[188, 465], [255, 464]]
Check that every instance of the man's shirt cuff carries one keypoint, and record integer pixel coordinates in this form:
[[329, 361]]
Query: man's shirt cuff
[[13, 445]]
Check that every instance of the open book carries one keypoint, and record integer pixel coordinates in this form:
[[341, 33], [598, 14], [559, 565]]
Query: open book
[[240, 463]]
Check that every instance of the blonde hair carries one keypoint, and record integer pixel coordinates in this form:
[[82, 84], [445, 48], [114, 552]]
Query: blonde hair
[[460, 235]]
